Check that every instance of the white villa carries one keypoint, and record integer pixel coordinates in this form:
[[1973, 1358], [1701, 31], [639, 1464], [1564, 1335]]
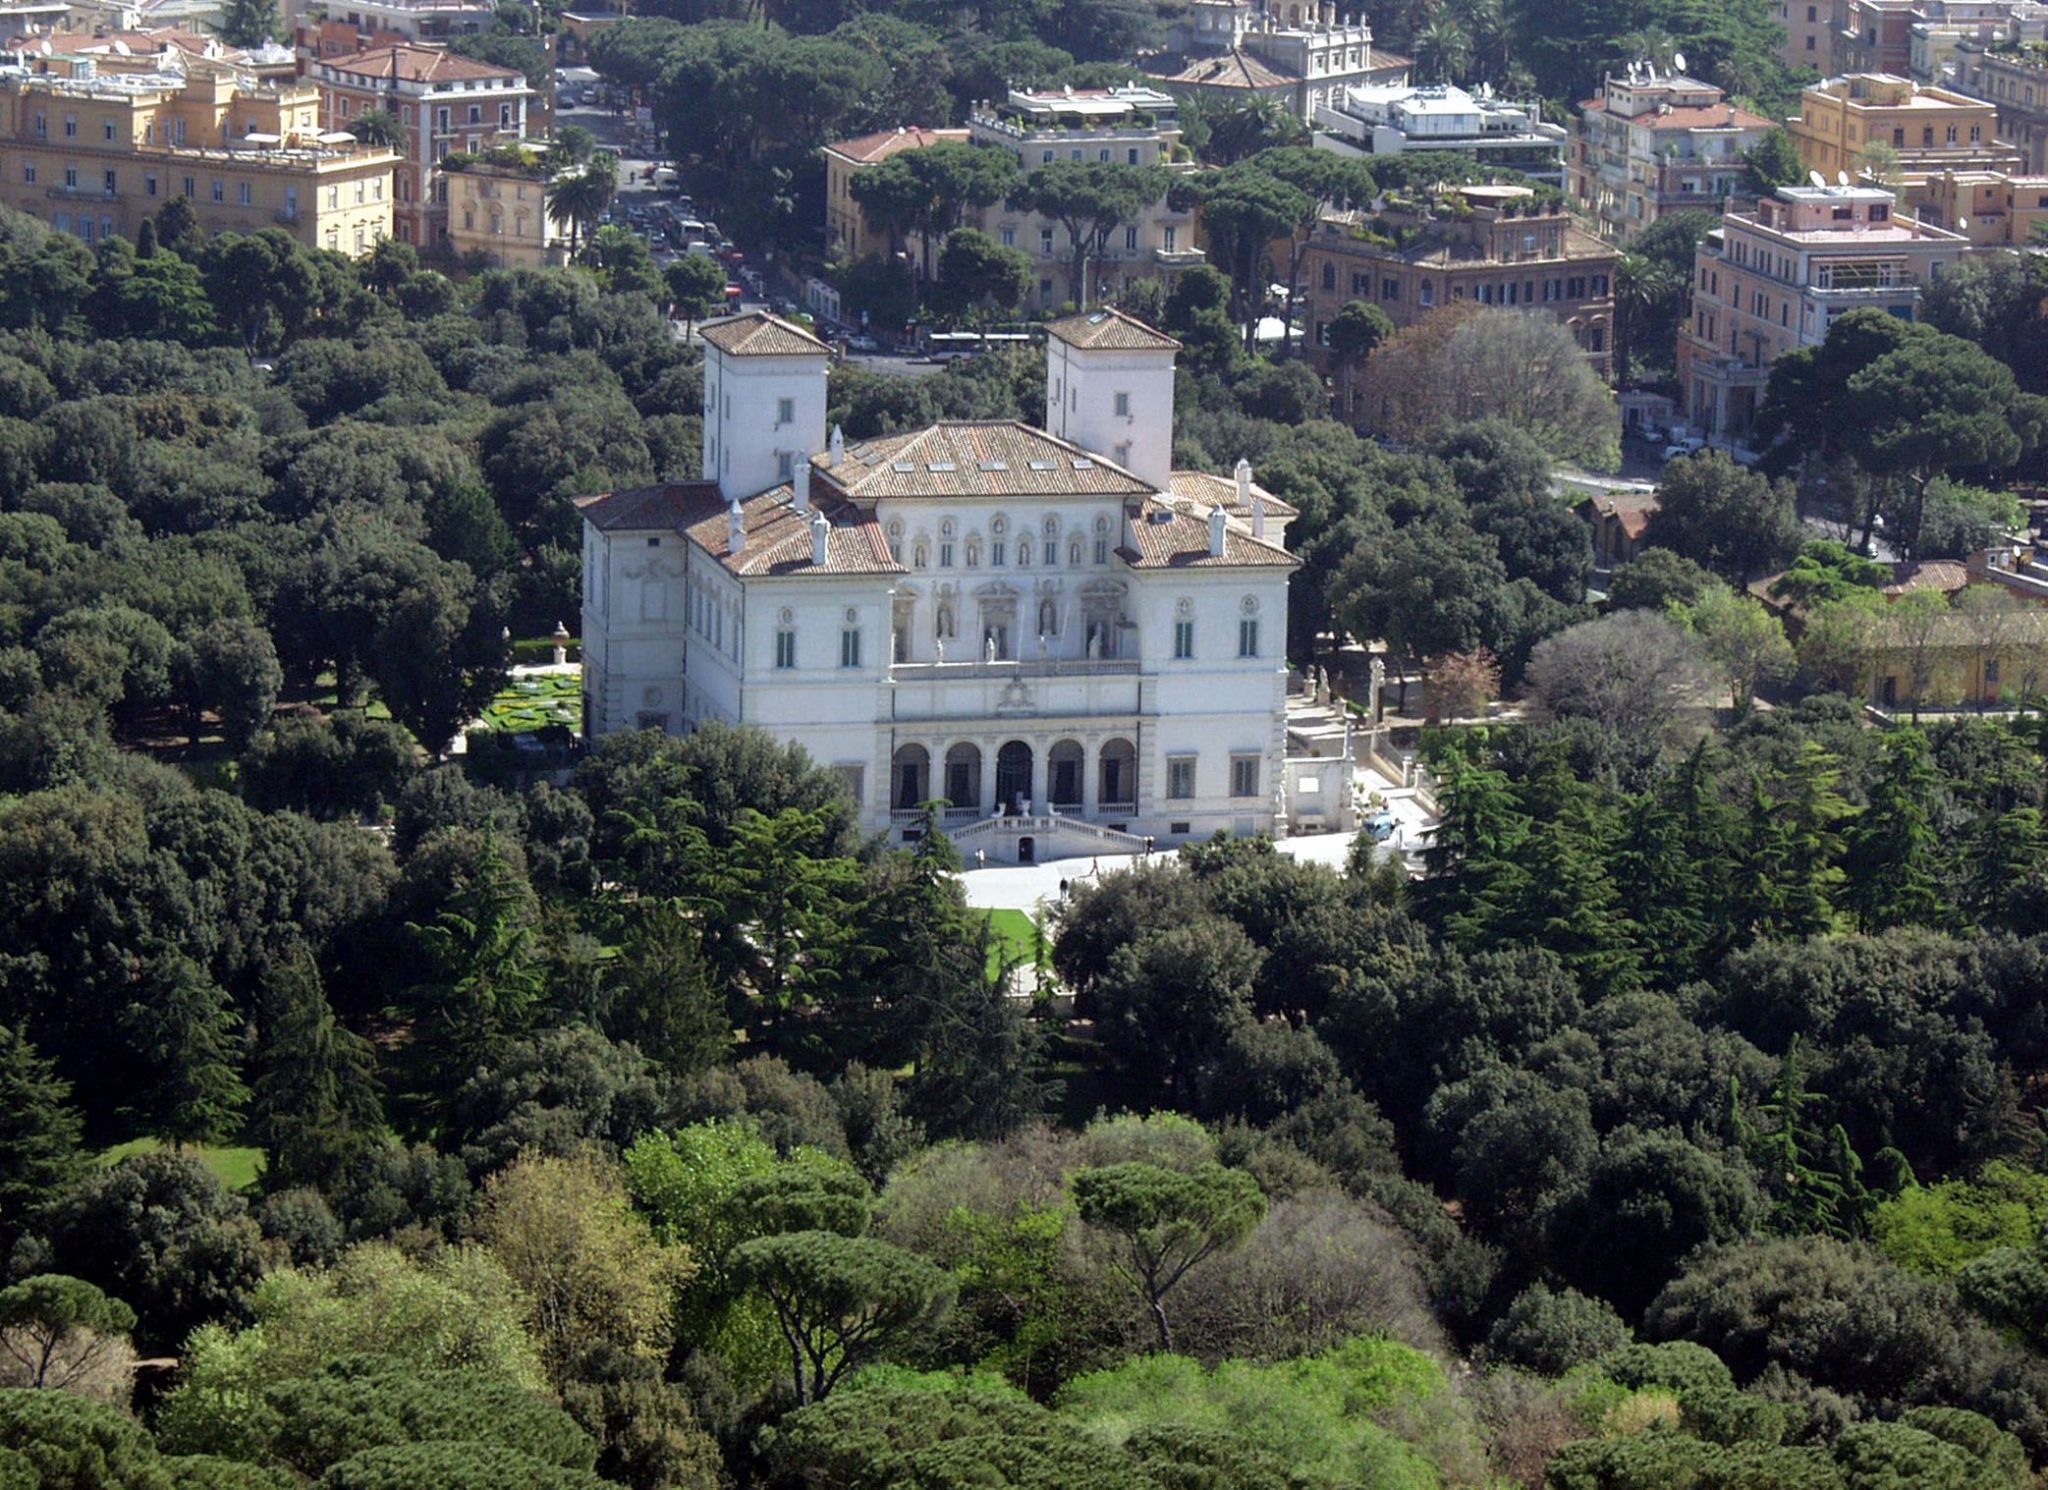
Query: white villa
[[1074, 646]]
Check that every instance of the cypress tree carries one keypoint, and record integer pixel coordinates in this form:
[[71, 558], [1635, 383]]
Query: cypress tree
[[184, 1030], [40, 1147], [316, 1102], [1894, 855]]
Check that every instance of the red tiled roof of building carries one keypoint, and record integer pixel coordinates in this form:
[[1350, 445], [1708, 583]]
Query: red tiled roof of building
[[1236, 68], [868, 149], [668, 505], [1166, 537], [1213, 491], [996, 458], [1944, 575], [777, 538], [759, 334], [1111, 330], [418, 64]]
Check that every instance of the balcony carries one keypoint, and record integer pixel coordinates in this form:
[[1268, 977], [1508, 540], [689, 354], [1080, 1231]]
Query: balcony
[[285, 217], [82, 193], [1178, 258], [1044, 667]]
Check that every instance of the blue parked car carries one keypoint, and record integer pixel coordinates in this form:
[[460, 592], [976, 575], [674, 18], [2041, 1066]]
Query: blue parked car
[[1379, 826]]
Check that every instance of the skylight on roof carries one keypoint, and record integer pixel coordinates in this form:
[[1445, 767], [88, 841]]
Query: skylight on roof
[[941, 465], [1081, 464], [1098, 318], [1045, 465], [903, 465], [993, 465]]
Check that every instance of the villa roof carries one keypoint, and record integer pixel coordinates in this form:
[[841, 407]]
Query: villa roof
[[995, 458], [778, 537], [1235, 68], [759, 334], [1221, 491], [1944, 575], [1167, 535], [667, 505], [410, 63], [868, 149], [1111, 330]]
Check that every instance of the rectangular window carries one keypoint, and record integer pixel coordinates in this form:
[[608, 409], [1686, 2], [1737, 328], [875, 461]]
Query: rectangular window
[[785, 465], [849, 647], [1183, 640], [785, 411], [785, 649], [1123, 406], [1131, 156], [1248, 637], [1045, 240], [191, 187], [244, 195], [1102, 544], [107, 182], [149, 183], [998, 552], [42, 127], [1244, 776], [71, 178], [945, 556], [1130, 240], [220, 190], [1009, 237], [108, 130], [1180, 777], [70, 126]]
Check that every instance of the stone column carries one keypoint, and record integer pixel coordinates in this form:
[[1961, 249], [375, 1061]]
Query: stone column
[[1091, 776]]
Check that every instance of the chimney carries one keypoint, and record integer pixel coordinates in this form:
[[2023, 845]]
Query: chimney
[[1244, 482], [821, 539], [736, 528], [838, 445], [1216, 521], [1258, 514], [800, 484]]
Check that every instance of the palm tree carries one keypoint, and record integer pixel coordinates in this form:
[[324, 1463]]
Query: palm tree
[[1442, 49], [1643, 288], [1651, 44], [578, 200], [380, 127], [1491, 47]]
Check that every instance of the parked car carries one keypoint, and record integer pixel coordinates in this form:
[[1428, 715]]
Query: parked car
[[1379, 826], [1685, 445], [1651, 431]]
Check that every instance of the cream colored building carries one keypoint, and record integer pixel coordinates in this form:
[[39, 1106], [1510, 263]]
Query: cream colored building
[[1990, 208], [94, 150], [498, 210], [1846, 123], [847, 230], [1653, 141], [1771, 281]]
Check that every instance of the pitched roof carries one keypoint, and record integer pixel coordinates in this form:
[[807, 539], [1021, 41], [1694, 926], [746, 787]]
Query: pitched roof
[[417, 64], [887, 142], [1235, 68], [1945, 575], [758, 334], [1111, 330], [1221, 491], [996, 458], [666, 506], [1708, 116], [777, 538], [1167, 536]]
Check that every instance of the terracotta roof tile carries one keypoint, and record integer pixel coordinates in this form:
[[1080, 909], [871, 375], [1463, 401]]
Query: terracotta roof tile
[[1945, 575], [887, 142], [647, 508], [1002, 458], [778, 538], [758, 334], [1111, 330], [1211, 491], [1166, 538], [418, 64], [1233, 69]]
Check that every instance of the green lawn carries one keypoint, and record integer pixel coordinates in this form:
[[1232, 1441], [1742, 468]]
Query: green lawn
[[236, 1167], [1014, 939], [533, 703]]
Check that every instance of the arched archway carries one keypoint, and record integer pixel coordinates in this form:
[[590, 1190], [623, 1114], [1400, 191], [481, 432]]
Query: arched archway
[[1064, 765], [911, 773], [1013, 776], [1117, 787], [963, 777]]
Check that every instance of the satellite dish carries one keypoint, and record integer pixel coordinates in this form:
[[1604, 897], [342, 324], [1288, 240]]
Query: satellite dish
[[1678, 61], [1820, 182], [1962, 225], [1841, 178]]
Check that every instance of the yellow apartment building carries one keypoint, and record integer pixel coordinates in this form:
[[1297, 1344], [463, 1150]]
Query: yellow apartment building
[[847, 229], [1926, 129], [1989, 208], [93, 151], [498, 211]]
